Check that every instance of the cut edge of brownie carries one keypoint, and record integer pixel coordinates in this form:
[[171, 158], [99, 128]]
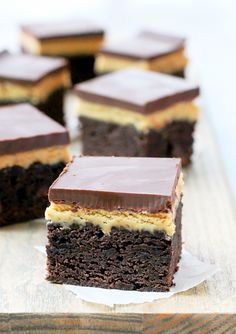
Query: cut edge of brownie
[[23, 191], [173, 140], [81, 67], [53, 106], [124, 259]]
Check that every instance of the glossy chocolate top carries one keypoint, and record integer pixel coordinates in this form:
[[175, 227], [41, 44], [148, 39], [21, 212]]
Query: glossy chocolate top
[[137, 90], [24, 128], [53, 30], [112, 183], [28, 68], [146, 45]]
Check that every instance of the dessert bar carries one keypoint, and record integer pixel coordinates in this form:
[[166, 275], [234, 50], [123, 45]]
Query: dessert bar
[[116, 223], [147, 50], [137, 113], [78, 41], [33, 151], [40, 81]]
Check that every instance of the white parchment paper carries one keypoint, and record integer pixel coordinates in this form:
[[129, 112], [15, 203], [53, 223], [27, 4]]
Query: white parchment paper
[[191, 273]]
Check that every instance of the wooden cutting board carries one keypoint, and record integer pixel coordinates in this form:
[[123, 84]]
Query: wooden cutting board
[[29, 304]]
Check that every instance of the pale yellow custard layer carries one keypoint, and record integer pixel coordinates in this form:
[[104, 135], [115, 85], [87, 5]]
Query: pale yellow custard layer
[[49, 155], [171, 63], [35, 93], [69, 46], [67, 214], [180, 111]]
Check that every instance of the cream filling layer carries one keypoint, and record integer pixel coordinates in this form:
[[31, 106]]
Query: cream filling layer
[[69, 46], [49, 155], [170, 63], [66, 215], [35, 93], [156, 120]]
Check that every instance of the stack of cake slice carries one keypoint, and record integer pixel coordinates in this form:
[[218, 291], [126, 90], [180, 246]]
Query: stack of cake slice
[[116, 223], [33, 151], [137, 113], [78, 41], [40, 81]]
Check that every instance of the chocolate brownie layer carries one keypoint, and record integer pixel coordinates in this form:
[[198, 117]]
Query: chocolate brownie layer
[[23, 192], [108, 139], [180, 74], [82, 68], [123, 259], [53, 106]]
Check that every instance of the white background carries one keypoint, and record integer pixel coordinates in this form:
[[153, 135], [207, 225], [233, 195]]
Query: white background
[[210, 26]]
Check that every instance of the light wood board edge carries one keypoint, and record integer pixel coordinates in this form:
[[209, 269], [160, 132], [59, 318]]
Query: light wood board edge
[[20, 323]]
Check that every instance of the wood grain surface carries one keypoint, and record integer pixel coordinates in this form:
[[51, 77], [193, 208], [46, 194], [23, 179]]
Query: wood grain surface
[[101, 323], [29, 304]]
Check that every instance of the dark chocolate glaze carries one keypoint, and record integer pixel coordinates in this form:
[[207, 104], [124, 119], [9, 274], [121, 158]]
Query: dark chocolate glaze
[[111, 183], [28, 69], [24, 128], [147, 45], [53, 30], [137, 90]]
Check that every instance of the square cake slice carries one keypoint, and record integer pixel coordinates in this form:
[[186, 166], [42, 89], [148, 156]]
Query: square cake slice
[[148, 50], [116, 223], [40, 81], [78, 41], [33, 152], [137, 113]]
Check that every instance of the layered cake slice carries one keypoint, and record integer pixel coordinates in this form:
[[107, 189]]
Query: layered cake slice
[[137, 113], [116, 223], [33, 152], [40, 81], [78, 41], [147, 50]]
